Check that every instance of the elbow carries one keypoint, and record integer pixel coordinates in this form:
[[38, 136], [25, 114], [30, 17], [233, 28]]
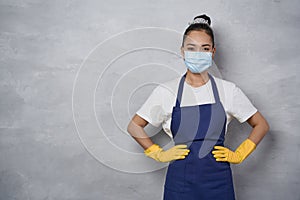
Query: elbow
[[129, 127], [132, 128], [266, 127]]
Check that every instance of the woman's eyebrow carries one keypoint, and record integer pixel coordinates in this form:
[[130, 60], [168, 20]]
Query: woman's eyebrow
[[191, 44], [203, 45]]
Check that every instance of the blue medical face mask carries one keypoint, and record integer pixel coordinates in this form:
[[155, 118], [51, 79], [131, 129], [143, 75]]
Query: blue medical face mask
[[197, 61]]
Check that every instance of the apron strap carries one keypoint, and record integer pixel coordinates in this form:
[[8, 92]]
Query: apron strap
[[180, 90], [215, 90]]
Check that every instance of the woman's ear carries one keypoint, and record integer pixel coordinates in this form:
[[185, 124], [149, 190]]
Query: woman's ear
[[182, 52], [213, 52]]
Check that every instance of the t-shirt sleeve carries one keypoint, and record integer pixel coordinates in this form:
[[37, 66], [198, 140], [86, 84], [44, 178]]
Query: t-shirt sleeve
[[152, 110], [241, 107]]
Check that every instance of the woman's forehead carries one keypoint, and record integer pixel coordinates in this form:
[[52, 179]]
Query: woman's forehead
[[198, 38]]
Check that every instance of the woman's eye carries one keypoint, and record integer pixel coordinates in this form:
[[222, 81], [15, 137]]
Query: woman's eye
[[206, 49], [190, 49]]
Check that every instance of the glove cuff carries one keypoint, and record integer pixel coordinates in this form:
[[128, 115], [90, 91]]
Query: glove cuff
[[250, 145], [152, 149], [246, 148]]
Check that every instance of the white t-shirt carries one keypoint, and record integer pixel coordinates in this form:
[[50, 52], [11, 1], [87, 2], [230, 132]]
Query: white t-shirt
[[157, 109]]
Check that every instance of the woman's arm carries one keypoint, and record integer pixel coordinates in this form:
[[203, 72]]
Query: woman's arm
[[260, 127], [136, 130]]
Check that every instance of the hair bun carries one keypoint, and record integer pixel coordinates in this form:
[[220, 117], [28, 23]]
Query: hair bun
[[204, 19]]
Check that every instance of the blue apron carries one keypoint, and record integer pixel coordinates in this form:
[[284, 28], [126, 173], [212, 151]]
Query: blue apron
[[199, 176]]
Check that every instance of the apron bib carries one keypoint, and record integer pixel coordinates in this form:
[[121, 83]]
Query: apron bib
[[199, 176]]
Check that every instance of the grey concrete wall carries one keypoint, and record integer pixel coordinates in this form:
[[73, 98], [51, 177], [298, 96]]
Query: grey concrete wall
[[68, 89]]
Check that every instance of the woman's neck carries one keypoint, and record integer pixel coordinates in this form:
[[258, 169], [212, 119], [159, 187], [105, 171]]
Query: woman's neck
[[196, 80]]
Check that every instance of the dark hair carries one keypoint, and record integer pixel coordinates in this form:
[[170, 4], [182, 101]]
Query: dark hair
[[200, 26]]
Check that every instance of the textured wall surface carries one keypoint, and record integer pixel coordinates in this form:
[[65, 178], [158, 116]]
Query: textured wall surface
[[74, 72]]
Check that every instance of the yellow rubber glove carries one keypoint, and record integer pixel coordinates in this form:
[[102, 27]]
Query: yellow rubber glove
[[223, 154], [174, 153]]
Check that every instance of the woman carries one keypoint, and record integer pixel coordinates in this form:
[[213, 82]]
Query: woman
[[195, 110]]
